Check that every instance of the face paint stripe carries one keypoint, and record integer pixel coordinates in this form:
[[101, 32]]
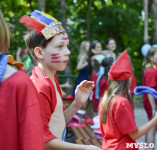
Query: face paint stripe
[[55, 61], [55, 57], [55, 54], [64, 38]]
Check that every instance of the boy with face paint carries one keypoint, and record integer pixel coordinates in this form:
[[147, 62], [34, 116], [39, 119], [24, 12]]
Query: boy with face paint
[[48, 43]]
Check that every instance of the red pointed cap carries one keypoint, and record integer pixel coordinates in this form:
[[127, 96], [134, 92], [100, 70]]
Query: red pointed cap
[[121, 69]]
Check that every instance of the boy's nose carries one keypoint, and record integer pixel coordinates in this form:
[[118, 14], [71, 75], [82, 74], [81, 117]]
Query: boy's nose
[[67, 52]]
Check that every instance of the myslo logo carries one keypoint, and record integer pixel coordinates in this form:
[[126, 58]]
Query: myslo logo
[[139, 145]]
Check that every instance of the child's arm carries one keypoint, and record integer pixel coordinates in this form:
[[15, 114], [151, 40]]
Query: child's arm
[[57, 144], [81, 95], [82, 63], [144, 129]]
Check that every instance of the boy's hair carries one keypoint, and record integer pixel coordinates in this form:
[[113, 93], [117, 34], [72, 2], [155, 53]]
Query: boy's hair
[[33, 39], [120, 87], [42, 28], [4, 34]]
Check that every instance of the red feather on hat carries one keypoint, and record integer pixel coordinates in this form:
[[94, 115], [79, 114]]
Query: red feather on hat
[[32, 23]]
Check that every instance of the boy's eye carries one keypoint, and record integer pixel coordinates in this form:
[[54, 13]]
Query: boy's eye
[[60, 46]]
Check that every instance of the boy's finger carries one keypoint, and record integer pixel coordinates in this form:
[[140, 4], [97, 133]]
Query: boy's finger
[[91, 87], [89, 84], [83, 83]]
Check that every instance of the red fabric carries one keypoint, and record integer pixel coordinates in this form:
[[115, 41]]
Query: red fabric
[[103, 87], [120, 121], [76, 118], [150, 80], [48, 98], [20, 116], [88, 121], [121, 69], [133, 84], [56, 77], [70, 98], [76, 125]]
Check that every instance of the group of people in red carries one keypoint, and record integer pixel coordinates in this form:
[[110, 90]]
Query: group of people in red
[[94, 64], [32, 113]]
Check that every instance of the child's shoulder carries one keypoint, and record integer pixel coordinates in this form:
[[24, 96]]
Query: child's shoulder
[[17, 78], [149, 71], [121, 101]]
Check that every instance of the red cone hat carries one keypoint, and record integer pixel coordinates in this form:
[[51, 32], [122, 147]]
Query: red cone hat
[[121, 69]]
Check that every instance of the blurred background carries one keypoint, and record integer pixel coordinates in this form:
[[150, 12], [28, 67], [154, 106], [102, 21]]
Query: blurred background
[[132, 23]]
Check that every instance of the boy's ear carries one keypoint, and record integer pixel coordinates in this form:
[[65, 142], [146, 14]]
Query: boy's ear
[[38, 53]]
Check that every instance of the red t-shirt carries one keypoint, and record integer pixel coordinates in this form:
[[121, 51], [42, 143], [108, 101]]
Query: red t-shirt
[[20, 116], [103, 85], [120, 121], [150, 80], [133, 84], [48, 98]]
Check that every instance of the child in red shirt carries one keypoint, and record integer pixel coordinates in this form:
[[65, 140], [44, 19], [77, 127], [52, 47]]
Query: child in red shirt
[[20, 116], [150, 80], [48, 43], [117, 122], [103, 82]]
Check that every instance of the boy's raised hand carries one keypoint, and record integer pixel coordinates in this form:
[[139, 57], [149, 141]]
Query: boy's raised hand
[[82, 92]]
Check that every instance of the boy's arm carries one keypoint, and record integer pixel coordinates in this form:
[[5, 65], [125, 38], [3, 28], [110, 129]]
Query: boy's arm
[[81, 96], [57, 144]]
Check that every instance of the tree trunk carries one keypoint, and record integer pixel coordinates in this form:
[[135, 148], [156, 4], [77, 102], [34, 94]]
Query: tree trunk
[[41, 5], [88, 18], [146, 39], [155, 23], [63, 19]]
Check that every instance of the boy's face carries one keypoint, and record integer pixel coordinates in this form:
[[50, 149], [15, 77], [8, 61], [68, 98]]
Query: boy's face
[[56, 54]]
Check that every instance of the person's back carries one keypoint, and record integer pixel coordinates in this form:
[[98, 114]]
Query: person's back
[[19, 129], [115, 130]]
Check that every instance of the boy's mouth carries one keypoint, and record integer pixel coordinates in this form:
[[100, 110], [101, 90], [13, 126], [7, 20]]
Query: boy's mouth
[[66, 61]]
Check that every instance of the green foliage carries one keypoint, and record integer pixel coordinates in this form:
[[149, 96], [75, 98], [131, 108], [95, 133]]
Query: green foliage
[[118, 19]]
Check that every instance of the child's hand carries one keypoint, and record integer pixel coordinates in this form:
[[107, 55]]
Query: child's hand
[[82, 92]]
